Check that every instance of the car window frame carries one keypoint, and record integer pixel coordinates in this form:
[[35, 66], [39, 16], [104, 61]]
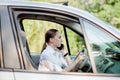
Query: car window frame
[[1, 63]]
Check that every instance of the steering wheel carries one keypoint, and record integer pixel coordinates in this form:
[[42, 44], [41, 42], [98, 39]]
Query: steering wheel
[[78, 62], [81, 63]]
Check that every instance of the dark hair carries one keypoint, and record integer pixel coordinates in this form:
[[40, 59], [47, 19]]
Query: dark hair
[[49, 34]]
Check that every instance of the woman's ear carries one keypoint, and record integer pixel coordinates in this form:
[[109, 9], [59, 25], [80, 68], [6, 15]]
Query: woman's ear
[[51, 40]]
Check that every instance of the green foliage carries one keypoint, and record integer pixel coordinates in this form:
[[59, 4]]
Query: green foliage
[[107, 10], [35, 31]]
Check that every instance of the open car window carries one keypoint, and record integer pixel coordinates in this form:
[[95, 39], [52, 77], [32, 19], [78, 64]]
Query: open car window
[[71, 32], [35, 33]]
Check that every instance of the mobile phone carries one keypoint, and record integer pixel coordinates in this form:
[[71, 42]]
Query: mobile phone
[[61, 47]]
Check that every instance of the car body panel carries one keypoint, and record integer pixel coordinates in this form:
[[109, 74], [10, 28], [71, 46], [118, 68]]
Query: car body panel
[[61, 76], [12, 57], [6, 75]]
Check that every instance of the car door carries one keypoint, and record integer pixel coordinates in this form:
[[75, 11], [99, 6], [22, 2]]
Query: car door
[[67, 23], [9, 58]]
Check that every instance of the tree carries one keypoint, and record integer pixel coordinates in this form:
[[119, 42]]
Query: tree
[[107, 10]]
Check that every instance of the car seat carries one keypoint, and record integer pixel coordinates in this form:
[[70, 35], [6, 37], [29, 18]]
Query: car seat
[[24, 41]]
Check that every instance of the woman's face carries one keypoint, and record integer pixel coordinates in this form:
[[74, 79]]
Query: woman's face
[[57, 40]]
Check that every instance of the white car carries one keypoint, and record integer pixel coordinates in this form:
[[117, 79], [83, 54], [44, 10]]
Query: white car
[[99, 41]]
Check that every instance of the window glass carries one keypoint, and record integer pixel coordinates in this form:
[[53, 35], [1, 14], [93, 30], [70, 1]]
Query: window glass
[[105, 49]]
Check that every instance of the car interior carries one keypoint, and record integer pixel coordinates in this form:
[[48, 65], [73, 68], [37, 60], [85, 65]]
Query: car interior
[[34, 58]]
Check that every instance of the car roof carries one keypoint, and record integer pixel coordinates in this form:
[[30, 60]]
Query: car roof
[[69, 9]]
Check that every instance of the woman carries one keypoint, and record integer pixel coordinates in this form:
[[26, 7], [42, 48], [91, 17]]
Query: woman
[[51, 59]]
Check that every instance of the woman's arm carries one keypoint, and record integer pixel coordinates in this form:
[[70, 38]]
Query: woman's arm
[[74, 63]]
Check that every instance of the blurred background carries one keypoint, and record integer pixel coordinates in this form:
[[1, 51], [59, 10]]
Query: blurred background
[[106, 10]]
